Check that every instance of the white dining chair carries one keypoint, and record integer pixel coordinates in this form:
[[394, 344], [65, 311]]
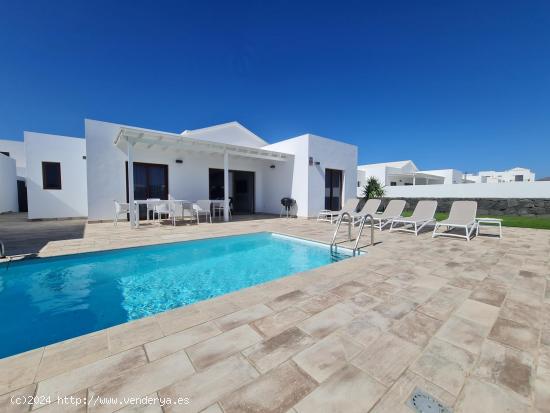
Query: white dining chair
[[120, 209]]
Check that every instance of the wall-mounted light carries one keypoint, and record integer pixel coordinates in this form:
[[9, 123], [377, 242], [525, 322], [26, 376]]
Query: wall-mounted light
[[179, 161], [272, 166], [84, 157], [311, 162]]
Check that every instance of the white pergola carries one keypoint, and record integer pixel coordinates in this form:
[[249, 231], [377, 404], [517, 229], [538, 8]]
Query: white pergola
[[128, 139], [415, 175]]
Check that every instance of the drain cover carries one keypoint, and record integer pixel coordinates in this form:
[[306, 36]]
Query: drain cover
[[422, 402]]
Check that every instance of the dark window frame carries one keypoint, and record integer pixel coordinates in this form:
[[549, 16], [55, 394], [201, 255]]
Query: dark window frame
[[45, 185]]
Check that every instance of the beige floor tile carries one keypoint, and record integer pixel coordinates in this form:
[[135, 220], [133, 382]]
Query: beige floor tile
[[349, 390], [86, 376], [381, 289], [430, 281], [529, 281], [481, 397], [141, 381], [18, 401], [465, 283], [445, 365], [361, 331], [489, 296], [506, 367], [215, 408], [463, 333], [387, 358], [348, 289], [276, 391], [327, 356], [133, 334], [178, 341], [286, 300], [318, 303], [515, 334], [74, 353], [521, 312], [395, 399], [358, 304], [19, 370], [478, 312], [416, 328], [395, 308], [210, 385], [275, 350], [275, 324], [325, 322], [217, 348], [416, 294], [241, 317]]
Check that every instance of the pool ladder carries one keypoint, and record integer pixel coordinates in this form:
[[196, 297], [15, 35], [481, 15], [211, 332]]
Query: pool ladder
[[364, 218]]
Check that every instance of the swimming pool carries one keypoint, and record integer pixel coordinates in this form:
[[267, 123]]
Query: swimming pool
[[43, 301]]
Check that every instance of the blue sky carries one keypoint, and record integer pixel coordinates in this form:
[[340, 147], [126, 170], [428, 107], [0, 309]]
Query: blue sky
[[448, 84]]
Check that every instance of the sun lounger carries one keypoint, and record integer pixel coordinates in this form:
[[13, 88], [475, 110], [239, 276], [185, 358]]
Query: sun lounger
[[462, 215], [370, 207], [393, 210], [423, 214], [331, 216]]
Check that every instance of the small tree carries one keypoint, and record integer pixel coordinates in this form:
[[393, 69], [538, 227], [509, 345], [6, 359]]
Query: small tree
[[373, 189]]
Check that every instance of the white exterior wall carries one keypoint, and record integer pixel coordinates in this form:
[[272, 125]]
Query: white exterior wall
[[295, 176], [17, 152], [501, 190], [71, 199], [8, 185], [188, 180], [308, 181], [451, 176], [378, 171], [493, 177], [333, 155]]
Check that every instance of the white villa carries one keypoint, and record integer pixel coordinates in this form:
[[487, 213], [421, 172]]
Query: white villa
[[401, 173], [406, 173], [496, 177], [72, 177]]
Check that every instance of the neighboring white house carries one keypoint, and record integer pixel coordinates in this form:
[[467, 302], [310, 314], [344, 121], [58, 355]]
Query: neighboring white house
[[56, 176], [8, 185], [15, 150], [405, 173], [497, 177]]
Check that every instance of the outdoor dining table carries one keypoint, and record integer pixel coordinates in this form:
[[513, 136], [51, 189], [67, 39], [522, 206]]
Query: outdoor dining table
[[153, 202]]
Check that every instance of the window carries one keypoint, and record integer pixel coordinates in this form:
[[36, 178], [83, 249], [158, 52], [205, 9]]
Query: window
[[519, 178], [51, 175], [358, 184], [5, 153], [393, 183]]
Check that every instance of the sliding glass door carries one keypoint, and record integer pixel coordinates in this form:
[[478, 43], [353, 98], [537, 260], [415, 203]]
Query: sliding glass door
[[333, 189], [150, 181]]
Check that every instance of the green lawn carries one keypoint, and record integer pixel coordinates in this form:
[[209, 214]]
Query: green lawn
[[540, 222]]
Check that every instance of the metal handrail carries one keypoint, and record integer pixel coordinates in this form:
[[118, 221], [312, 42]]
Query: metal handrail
[[338, 227], [2, 250], [361, 226]]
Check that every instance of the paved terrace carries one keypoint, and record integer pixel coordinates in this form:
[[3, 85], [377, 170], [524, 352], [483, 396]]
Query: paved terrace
[[467, 322]]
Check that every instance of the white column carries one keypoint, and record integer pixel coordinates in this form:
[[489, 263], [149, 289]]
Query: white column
[[131, 183], [225, 186], [414, 179]]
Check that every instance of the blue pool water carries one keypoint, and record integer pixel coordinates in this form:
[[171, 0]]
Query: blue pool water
[[43, 301]]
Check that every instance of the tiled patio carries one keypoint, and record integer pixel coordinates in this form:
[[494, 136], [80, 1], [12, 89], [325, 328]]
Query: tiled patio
[[468, 323]]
